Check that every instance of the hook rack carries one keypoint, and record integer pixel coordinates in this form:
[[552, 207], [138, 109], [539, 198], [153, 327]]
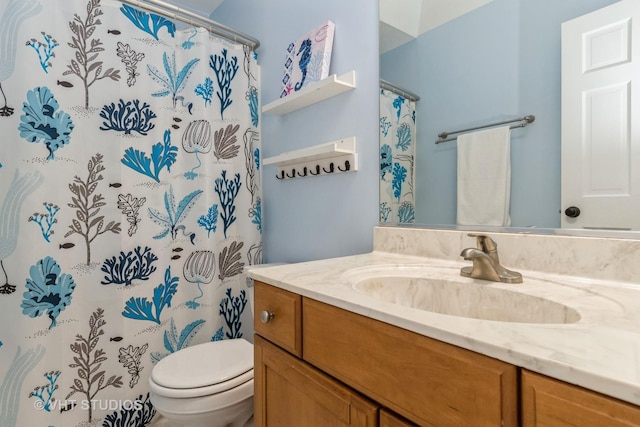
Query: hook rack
[[324, 159]]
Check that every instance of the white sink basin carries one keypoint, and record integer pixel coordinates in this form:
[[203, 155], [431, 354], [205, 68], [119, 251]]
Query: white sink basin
[[442, 290]]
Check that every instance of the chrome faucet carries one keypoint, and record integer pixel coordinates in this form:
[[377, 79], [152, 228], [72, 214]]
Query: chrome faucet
[[486, 263]]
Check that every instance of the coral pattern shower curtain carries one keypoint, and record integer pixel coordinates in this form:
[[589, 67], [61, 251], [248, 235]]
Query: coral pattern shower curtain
[[130, 204], [397, 157]]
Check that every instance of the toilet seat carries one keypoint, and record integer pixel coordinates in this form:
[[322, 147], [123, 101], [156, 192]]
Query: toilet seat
[[203, 369]]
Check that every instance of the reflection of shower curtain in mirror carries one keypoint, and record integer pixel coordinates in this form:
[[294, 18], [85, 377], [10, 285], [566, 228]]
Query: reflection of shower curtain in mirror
[[130, 202], [397, 157]]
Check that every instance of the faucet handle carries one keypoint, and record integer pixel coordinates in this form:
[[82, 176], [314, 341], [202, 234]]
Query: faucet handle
[[484, 242], [487, 245]]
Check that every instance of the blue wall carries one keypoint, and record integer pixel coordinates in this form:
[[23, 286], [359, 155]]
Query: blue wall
[[326, 216], [498, 62]]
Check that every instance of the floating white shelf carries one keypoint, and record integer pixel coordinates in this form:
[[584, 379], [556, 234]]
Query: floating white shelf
[[314, 92], [331, 157], [315, 152]]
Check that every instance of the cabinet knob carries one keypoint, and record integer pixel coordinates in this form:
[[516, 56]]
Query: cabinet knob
[[266, 316]]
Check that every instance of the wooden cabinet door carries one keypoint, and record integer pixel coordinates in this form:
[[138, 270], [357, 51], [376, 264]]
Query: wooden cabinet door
[[291, 393], [551, 403], [389, 419]]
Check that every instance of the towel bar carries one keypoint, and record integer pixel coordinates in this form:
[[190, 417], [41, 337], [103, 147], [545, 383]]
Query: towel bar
[[526, 119]]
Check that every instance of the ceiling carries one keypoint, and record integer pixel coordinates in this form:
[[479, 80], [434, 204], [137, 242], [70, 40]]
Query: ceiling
[[403, 20]]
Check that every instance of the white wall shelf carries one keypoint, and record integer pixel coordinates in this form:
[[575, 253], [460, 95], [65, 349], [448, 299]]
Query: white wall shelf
[[313, 93], [332, 157]]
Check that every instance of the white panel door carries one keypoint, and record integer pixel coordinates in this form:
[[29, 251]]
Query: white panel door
[[601, 119]]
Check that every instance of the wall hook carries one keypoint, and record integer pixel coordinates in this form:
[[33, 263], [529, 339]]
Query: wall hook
[[281, 175], [317, 168], [347, 166], [304, 172], [293, 173], [331, 168]]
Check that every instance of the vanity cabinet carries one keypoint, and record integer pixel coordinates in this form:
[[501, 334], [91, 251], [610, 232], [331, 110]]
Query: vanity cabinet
[[351, 368], [320, 365], [553, 403]]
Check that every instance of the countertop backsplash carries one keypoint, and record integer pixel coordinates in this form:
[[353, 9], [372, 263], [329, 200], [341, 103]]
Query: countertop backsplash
[[615, 259]]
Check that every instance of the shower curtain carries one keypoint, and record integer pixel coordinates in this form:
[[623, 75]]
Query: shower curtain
[[397, 157], [130, 204]]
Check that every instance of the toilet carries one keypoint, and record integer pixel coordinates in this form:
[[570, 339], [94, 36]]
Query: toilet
[[209, 384]]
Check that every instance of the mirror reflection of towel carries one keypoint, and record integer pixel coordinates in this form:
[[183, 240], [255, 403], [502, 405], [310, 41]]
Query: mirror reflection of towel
[[484, 177]]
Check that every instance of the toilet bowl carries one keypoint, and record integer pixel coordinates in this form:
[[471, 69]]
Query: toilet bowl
[[208, 384]]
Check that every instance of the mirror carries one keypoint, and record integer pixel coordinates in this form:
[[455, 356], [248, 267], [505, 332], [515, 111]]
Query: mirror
[[486, 61]]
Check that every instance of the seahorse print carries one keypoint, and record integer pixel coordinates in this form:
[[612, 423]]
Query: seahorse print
[[305, 49]]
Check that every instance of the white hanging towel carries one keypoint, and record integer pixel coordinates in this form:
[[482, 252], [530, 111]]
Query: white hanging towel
[[484, 177]]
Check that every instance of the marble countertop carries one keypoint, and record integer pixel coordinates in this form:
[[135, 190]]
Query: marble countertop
[[600, 352]]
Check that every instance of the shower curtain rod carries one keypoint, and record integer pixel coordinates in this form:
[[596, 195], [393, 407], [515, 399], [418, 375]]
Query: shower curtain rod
[[526, 119], [396, 89], [191, 18]]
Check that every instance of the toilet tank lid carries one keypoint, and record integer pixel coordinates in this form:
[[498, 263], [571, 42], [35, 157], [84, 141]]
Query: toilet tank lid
[[204, 364]]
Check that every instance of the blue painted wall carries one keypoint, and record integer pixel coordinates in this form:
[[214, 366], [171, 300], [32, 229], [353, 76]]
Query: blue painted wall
[[326, 216], [498, 62]]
